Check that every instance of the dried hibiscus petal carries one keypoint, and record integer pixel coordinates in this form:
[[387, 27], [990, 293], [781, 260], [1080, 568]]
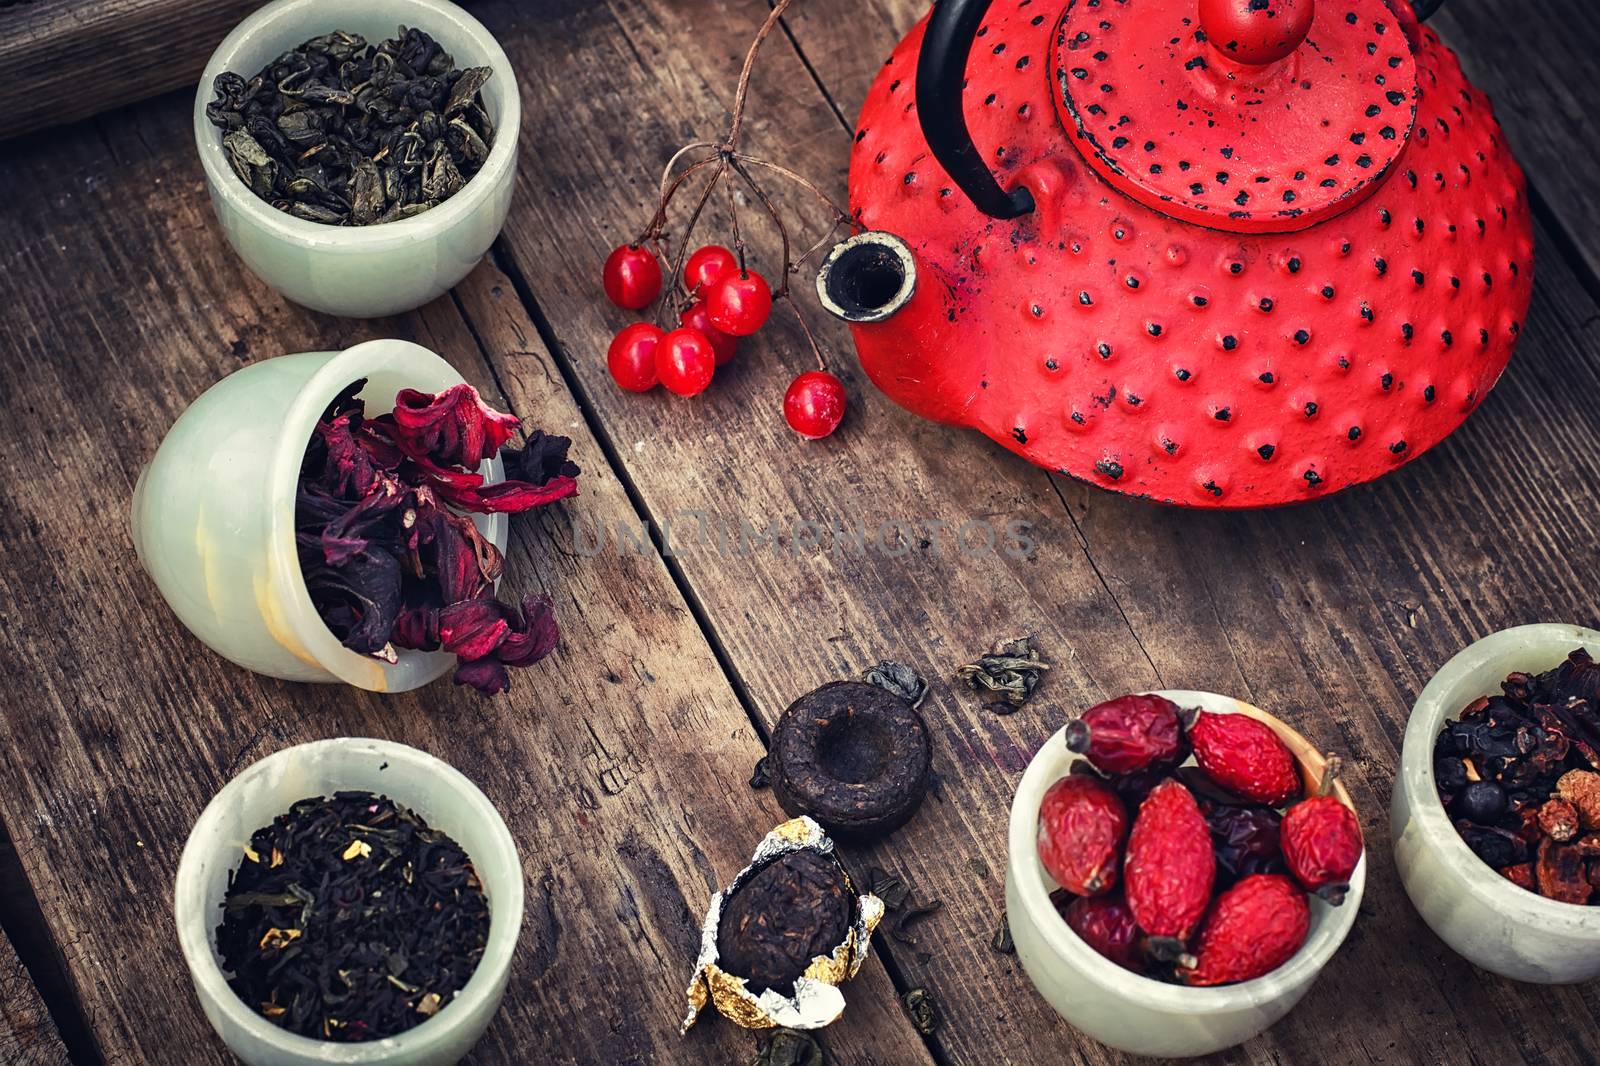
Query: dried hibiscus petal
[[454, 426], [387, 556], [509, 497], [375, 519], [364, 593], [472, 629], [541, 460], [530, 636]]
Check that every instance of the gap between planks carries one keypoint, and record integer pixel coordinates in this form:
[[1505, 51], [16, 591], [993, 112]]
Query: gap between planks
[[608, 446]]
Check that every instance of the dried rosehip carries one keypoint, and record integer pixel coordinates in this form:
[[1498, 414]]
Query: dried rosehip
[[1129, 734], [1170, 868], [1082, 824], [1245, 840], [1521, 875], [1106, 924], [1581, 788], [1322, 845], [1256, 926], [1560, 873], [1558, 820], [1245, 757]]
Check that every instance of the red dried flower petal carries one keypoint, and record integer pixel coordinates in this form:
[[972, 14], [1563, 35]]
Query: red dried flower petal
[[509, 497], [472, 629], [374, 518], [417, 628], [541, 459], [453, 427], [348, 469], [534, 635], [488, 676]]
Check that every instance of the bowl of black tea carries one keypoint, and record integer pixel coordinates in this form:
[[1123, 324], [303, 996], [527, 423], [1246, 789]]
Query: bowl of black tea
[[360, 154], [349, 901]]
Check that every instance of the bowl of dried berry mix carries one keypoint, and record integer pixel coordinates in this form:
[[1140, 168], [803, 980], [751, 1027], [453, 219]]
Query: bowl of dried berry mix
[[360, 154], [1182, 866], [1496, 813]]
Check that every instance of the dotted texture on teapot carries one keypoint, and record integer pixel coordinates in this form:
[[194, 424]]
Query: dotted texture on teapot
[[1104, 339]]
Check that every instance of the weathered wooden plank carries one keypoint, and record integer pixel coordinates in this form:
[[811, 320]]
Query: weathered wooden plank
[[611, 760], [1308, 610], [28, 1035], [1539, 64], [64, 60]]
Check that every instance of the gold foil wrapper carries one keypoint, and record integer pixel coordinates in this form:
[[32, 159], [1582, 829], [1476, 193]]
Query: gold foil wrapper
[[817, 1000]]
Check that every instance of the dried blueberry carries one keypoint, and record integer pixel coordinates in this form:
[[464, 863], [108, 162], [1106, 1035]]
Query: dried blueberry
[[1450, 772], [1481, 801], [1494, 846]]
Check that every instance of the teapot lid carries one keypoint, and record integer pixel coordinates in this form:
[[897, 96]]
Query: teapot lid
[[1252, 116]]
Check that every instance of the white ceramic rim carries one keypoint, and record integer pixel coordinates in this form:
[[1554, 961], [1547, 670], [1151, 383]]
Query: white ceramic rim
[[322, 16], [1320, 946], [505, 915], [1443, 698], [283, 474]]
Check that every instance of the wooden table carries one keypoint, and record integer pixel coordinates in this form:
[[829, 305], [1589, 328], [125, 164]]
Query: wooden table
[[621, 762]]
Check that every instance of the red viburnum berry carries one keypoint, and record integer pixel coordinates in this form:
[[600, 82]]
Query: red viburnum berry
[[1130, 734], [706, 266], [814, 404], [694, 317], [685, 361], [1255, 927], [1170, 868], [1082, 824], [1245, 757], [739, 302], [632, 277], [632, 357]]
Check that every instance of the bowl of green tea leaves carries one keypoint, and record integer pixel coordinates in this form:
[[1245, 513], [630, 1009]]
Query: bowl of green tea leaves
[[359, 154]]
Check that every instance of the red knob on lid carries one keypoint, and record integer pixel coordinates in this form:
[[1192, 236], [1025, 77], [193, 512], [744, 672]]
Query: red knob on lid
[[1256, 32]]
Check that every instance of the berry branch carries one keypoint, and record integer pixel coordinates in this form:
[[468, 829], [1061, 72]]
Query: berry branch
[[715, 295]]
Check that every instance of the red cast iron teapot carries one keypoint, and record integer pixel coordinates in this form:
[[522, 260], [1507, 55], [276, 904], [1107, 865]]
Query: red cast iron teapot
[[1286, 251]]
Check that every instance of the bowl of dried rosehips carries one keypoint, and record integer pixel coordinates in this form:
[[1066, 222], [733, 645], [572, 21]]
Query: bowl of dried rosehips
[[342, 516], [1496, 812], [1182, 866]]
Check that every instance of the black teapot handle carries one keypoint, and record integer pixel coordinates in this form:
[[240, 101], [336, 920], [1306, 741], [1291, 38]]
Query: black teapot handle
[[941, 76], [1426, 9]]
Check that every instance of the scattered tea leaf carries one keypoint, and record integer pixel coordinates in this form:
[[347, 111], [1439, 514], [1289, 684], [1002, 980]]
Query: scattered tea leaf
[[788, 1047], [1012, 671], [1001, 941], [889, 888], [761, 777], [922, 1009], [899, 679], [912, 913]]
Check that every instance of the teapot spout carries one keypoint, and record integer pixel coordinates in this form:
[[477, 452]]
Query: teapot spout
[[867, 277]]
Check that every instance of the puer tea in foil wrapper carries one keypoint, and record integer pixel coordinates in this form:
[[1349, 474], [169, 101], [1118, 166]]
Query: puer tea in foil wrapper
[[781, 938]]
